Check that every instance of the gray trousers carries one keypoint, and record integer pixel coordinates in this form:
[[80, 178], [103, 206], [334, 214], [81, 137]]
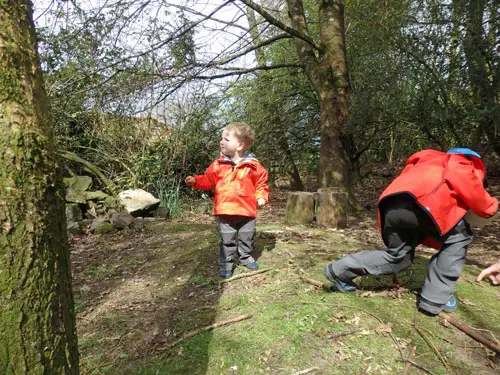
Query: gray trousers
[[236, 234], [404, 228]]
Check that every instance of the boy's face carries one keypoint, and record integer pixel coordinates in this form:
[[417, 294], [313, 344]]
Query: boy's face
[[229, 144]]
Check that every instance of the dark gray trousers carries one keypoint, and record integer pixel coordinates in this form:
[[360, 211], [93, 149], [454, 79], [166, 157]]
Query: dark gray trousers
[[236, 234], [404, 228]]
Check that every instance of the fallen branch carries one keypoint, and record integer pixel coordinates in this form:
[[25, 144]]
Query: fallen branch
[[470, 332], [408, 362], [433, 347], [317, 283], [417, 366], [246, 274], [306, 371], [204, 329], [336, 336]]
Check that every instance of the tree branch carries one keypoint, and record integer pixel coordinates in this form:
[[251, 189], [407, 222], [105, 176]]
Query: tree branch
[[280, 25]]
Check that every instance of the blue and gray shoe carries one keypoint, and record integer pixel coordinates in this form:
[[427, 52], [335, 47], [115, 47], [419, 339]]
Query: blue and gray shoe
[[451, 305], [226, 274], [342, 286], [254, 266]]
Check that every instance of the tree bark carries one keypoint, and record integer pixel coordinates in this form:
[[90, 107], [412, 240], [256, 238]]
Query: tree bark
[[327, 71], [483, 77], [300, 208], [37, 319]]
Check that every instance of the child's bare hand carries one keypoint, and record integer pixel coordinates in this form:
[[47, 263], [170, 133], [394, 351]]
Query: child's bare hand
[[261, 202], [492, 272], [189, 180]]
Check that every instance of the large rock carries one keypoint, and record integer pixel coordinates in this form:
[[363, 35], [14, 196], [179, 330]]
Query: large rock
[[138, 202]]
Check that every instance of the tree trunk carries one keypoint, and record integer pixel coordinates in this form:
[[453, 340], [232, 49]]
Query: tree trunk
[[484, 80], [300, 208], [331, 208], [328, 74], [37, 319]]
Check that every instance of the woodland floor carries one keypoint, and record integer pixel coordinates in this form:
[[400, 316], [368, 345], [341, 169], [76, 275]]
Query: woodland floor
[[136, 293]]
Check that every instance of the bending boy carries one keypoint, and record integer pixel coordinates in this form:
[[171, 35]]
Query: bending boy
[[425, 204]]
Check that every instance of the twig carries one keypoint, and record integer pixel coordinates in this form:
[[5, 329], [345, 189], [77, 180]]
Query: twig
[[418, 366], [433, 347], [408, 362], [246, 274], [204, 329], [313, 282], [306, 371], [335, 336], [470, 332]]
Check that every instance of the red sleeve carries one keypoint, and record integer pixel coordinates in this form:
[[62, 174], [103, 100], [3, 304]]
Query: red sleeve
[[469, 188], [207, 180], [261, 188]]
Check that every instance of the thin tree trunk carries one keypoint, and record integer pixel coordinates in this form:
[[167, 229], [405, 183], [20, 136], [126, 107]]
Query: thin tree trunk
[[37, 319], [483, 80]]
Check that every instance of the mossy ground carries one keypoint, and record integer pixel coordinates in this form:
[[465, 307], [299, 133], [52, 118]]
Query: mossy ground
[[137, 293]]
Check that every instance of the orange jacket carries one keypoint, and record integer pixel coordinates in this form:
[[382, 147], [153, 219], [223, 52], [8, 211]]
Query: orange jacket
[[446, 186], [237, 186]]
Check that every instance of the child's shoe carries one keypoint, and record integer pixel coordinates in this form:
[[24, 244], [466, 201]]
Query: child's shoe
[[254, 266], [451, 305], [226, 274], [342, 286]]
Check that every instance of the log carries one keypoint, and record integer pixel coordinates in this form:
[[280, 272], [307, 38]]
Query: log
[[300, 208], [470, 332], [332, 205]]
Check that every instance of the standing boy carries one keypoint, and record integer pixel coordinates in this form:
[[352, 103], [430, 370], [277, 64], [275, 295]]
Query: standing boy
[[240, 183], [425, 204]]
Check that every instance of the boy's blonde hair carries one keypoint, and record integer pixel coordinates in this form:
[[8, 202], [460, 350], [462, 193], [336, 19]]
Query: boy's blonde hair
[[243, 132]]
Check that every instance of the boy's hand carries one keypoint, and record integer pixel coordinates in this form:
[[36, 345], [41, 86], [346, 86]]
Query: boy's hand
[[189, 180], [261, 202], [492, 272]]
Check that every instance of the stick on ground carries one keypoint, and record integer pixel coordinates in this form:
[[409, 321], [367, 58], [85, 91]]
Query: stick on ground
[[433, 347], [408, 362], [204, 329], [246, 274], [306, 371], [470, 332]]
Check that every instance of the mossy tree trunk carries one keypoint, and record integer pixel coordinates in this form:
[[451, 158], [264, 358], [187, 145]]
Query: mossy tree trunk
[[37, 319]]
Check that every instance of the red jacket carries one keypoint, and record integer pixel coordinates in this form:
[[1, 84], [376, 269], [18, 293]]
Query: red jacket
[[237, 186], [446, 185]]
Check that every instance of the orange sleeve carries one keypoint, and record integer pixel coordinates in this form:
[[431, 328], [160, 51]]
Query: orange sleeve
[[207, 180], [261, 187], [470, 189]]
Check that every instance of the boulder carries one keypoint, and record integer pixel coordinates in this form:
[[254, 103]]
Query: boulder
[[138, 202]]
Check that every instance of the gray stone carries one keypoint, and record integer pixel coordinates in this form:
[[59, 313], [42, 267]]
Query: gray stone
[[138, 202], [73, 228], [105, 227], [137, 223], [79, 183], [98, 221], [163, 212], [121, 220], [85, 223], [73, 212], [96, 195]]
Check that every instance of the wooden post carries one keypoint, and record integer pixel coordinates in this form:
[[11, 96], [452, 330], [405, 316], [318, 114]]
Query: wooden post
[[331, 208], [300, 208]]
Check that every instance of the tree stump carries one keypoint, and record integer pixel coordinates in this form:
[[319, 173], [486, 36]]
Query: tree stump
[[300, 208], [332, 205]]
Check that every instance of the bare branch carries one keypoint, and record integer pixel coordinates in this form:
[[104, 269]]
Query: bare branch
[[269, 18]]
